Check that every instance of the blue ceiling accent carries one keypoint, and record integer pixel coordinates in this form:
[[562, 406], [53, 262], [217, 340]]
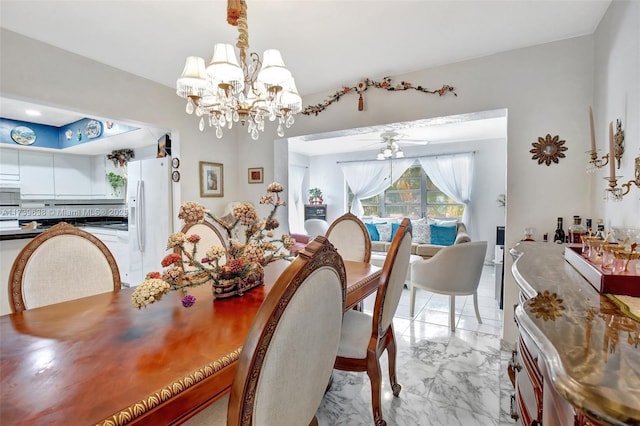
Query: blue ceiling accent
[[72, 134]]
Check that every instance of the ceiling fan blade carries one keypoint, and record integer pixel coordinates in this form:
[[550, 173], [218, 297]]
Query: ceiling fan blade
[[413, 141]]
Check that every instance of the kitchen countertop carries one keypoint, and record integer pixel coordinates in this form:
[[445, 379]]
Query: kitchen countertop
[[43, 225], [590, 346]]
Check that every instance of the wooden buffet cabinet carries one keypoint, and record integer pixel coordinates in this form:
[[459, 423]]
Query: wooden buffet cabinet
[[577, 359]]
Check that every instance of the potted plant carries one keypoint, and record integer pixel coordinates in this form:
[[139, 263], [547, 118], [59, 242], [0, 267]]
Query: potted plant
[[116, 181], [315, 196]]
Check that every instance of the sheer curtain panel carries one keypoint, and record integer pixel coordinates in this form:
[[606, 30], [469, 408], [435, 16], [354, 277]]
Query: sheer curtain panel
[[453, 175], [366, 179], [296, 201], [369, 178]]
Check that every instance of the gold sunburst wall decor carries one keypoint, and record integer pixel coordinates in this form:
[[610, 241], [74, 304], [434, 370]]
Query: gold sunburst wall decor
[[548, 149]]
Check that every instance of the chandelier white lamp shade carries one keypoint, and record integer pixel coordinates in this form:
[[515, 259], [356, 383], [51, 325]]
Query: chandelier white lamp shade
[[228, 91], [392, 149]]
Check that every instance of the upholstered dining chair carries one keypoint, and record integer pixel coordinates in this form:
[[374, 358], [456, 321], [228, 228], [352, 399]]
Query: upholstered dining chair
[[62, 263], [455, 270], [287, 359], [365, 337], [209, 236], [350, 236]]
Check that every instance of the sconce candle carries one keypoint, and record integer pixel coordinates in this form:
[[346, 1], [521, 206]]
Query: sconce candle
[[593, 136], [612, 153]]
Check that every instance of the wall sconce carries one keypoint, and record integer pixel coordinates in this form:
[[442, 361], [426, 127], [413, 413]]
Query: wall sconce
[[596, 163], [614, 193]]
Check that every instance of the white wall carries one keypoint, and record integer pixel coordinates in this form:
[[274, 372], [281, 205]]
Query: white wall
[[617, 96]]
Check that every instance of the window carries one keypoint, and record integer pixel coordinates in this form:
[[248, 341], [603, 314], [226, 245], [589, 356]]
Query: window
[[413, 195]]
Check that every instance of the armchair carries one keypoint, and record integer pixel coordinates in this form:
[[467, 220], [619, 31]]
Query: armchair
[[454, 270]]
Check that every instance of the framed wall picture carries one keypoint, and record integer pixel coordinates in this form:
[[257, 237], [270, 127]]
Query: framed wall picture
[[256, 175], [211, 179]]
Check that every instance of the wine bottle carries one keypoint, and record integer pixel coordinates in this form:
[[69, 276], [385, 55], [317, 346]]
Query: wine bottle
[[558, 237], [577, 231]]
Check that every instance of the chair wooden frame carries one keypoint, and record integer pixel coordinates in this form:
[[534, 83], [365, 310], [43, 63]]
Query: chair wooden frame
[[185, 230], [319, 253], [16, 275], [367, 240], [381, 339]]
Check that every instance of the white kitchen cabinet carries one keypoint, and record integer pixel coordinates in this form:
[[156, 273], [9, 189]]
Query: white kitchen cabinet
[[99, 183], [9, 165], [36, 175], [72, 176]]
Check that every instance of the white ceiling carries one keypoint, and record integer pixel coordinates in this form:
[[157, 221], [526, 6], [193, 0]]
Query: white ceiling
[[327, 44]]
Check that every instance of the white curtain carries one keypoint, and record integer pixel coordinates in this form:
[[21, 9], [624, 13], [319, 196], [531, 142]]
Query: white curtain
[[369, 178], [453, 175], [398, 167], [296, 203]]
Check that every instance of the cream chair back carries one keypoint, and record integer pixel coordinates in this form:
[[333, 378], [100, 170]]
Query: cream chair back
[[62, 263], [315, 227], [287, 359], [395, 271], [350, 236], [209, 236], [454, 270]]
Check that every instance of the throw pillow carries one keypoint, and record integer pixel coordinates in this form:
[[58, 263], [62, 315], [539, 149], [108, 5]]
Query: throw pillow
[[373, 231], [443, 235], [384, 230], [421, 232], [394, 228], [444, 220]]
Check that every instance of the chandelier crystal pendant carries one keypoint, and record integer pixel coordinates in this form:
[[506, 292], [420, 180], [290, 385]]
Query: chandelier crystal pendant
[[225, 91]]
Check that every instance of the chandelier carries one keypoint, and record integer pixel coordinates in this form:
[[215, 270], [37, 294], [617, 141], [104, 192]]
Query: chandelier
[[252, 92], [392, 149]]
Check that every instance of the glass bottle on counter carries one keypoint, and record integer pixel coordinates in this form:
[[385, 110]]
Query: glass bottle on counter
[[558, 237], [577, 231], [600, 229]]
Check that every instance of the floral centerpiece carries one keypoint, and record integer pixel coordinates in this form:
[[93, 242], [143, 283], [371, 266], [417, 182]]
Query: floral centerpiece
[[230, 270]]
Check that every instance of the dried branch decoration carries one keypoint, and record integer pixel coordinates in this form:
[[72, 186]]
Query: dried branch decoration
[[364, 85]]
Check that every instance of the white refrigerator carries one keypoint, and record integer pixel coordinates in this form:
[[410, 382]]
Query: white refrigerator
[[150, 215]]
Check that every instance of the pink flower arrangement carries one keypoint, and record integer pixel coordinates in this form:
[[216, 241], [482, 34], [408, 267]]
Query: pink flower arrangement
[[243, 258]]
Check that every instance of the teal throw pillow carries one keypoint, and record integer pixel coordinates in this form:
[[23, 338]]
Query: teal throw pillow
[[373, 231], [443, 235], [394, 228]]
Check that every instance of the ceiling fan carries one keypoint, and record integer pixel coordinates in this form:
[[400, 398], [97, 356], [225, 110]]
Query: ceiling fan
[[392, 140]]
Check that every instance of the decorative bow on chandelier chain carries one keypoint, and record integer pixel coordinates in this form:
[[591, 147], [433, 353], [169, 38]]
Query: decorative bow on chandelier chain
[[226, 92]]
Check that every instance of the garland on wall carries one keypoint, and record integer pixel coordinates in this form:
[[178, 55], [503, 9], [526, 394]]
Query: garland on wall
[[362, 86]]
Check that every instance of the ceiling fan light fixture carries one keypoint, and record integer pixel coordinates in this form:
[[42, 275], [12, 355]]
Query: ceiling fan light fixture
[[380, 156], [399, 154]]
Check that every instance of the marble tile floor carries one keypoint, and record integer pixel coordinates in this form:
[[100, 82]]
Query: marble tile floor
[[447, 378]]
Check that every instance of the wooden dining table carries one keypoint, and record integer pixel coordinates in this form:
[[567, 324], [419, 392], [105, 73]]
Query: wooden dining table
[[99, 360]]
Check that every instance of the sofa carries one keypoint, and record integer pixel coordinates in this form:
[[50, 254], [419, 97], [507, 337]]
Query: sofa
[[423, 243]]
